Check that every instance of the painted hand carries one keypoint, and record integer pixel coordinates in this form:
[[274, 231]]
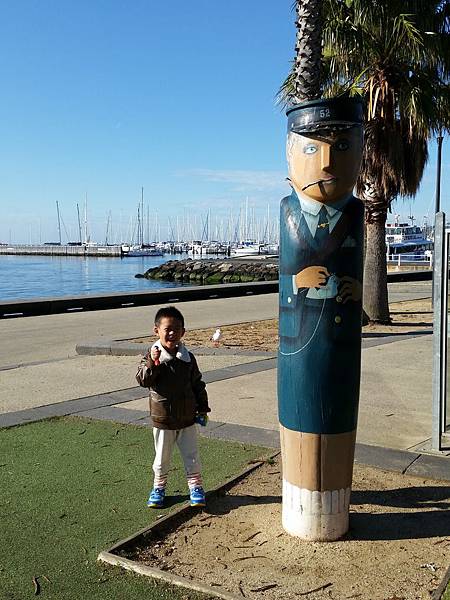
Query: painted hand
[[351, 289], [312, 277]]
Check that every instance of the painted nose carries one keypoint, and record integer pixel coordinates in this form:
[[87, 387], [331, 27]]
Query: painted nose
[[325, 157]]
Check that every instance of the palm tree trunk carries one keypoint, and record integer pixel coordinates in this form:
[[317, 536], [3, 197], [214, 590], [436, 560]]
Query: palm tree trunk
[[308, 50], [375, 292]]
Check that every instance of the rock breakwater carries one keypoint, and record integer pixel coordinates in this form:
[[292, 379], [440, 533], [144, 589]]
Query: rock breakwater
[[211, 272]]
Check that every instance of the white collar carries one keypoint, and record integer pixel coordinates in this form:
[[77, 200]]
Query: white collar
[[313, 206], [182, 353]]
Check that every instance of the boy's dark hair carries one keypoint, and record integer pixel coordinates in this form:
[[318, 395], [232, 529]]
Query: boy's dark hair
[[169, 312]]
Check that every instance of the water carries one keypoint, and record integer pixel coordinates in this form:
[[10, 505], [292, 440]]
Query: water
[[24, 277]]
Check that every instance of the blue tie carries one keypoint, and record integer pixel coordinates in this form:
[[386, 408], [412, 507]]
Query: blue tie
[[323, 227]]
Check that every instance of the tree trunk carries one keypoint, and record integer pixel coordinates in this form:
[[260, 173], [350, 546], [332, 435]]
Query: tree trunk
[[375, 292], [308, 50]]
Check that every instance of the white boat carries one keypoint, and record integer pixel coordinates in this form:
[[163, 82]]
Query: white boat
[[248, 248], [141, 251], [409, 242]]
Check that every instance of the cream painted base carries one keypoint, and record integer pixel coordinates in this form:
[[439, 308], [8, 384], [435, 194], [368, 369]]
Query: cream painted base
[[313, 515]]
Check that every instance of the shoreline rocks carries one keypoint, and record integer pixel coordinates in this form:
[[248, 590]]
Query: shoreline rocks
[[212, 272]]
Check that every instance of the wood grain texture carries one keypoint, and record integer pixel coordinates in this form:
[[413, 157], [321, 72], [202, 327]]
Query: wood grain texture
[[318, 462]]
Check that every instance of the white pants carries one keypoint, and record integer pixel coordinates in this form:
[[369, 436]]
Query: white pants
[[186, 440]]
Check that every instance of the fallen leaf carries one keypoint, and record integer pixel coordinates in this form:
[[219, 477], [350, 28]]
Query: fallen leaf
[[263, 588], [251, 537], [317, 589], [37, 587]]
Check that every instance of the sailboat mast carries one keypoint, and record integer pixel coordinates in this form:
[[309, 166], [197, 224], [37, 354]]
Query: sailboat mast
[[79, 222], [59, 222], [85, 221], [142, 215]]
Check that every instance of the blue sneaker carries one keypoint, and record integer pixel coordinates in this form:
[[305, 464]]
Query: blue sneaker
[[198, 497], [156, 498]]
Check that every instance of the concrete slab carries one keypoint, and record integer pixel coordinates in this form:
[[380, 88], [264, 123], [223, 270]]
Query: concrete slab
[[55, 336], [409, 290], [93, 348], [110, 413], [435, 467], [82, 376], [141, 404], [384, 458], [245, 435], [395, 404], [247, 400]]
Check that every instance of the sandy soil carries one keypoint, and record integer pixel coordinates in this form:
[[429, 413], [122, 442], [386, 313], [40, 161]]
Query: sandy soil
[[398, 547], [407, 317]]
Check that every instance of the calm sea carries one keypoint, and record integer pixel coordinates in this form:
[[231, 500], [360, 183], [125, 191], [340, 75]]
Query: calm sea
[[24, 277]]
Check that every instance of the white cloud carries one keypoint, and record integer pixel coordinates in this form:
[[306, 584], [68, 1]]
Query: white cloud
[[240, 181]]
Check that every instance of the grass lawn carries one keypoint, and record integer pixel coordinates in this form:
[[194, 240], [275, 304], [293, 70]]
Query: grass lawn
[[71, 487]]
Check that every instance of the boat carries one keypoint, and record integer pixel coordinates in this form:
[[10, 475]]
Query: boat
[[246, 248], [132, 251], [408, 243]]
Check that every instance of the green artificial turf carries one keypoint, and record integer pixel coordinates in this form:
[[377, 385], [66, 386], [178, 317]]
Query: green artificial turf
[[70, 488]]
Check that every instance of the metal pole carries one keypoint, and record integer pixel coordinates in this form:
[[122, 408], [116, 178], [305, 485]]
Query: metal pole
[[437, 206], [440, 333], [444, 325], [439, 139]]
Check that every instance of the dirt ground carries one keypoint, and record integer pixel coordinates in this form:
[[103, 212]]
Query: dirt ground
[[407, 317], [398, 546]]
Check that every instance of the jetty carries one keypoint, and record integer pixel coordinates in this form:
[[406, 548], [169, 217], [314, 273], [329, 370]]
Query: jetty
[[60, 250], [212, 272]]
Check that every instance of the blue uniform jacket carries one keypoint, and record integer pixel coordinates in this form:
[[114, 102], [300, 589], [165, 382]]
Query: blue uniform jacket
[[320, 339]]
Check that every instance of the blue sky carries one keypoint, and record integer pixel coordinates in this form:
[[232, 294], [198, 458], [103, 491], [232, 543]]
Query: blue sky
[[104, 97]]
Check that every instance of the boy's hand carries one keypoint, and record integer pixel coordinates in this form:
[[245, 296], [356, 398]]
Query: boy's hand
[[201, 419], [155, 353]]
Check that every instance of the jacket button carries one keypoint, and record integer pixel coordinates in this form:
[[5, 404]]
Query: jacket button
[[337, 319], [339, 299], [289, 300]]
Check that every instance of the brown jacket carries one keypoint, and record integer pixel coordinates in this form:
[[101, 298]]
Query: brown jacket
[[177, 391]]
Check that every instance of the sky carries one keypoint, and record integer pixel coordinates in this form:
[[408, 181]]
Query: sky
[[101, 98]]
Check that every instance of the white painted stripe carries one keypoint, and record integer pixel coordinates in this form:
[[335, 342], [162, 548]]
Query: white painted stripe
[[315, 515]]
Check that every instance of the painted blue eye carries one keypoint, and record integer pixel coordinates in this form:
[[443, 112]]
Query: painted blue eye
[[342, 145], [310, 149]]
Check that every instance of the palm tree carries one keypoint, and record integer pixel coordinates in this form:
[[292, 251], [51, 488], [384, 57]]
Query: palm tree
[[396, 53], [306, 70]]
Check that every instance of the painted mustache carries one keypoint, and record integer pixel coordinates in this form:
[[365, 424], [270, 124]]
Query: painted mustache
[[318, 182]]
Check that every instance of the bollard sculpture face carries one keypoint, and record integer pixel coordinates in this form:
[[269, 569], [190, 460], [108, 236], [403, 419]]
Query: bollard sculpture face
[[321, 246], [325, 166]]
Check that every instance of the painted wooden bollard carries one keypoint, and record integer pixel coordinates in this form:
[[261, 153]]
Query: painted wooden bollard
[[321, 264]]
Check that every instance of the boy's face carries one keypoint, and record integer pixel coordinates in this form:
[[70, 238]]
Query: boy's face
[[170, 331]]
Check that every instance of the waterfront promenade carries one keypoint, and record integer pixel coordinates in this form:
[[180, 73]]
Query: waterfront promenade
[[39, 367]]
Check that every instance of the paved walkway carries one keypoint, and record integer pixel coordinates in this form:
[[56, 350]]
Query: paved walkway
[[395, 407]]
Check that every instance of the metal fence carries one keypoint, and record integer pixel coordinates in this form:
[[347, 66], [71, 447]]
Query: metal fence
[[399, 260]]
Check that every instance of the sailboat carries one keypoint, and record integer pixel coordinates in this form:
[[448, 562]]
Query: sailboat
[[141, 249]]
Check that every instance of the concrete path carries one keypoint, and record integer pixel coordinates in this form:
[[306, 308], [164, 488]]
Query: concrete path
[[395, 402], [29, 340], [48, 337]]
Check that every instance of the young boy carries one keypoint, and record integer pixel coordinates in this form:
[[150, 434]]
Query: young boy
[[177, 399]]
